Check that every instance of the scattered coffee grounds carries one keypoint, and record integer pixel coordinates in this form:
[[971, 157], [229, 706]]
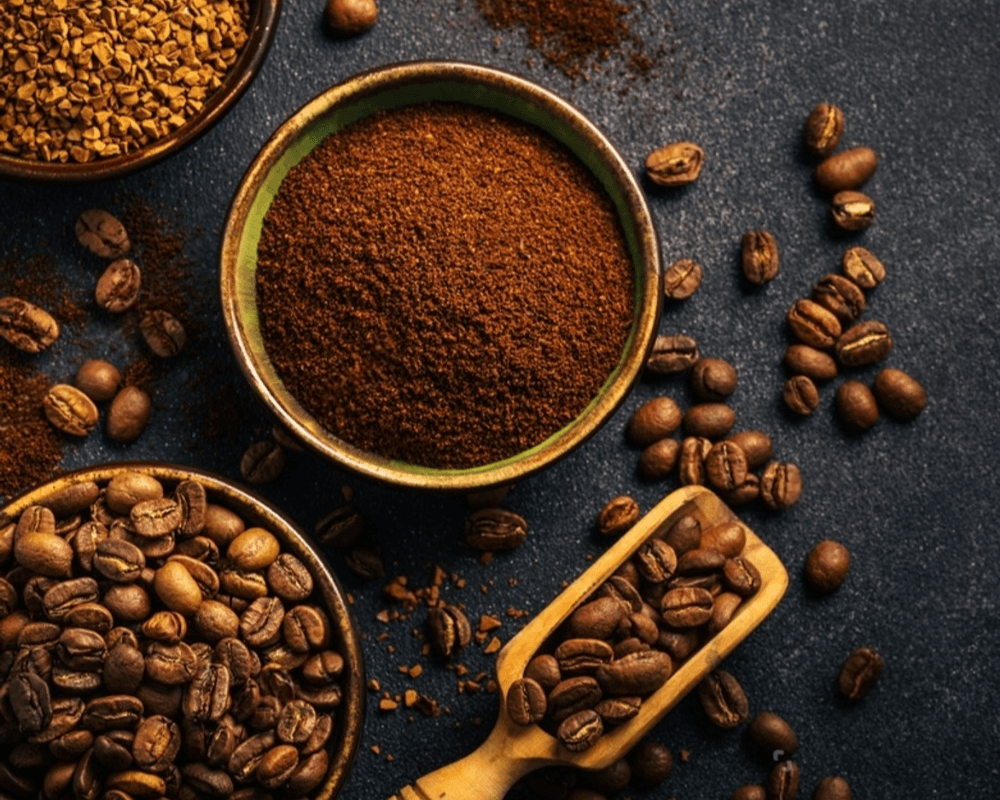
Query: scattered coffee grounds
[[443, 285]]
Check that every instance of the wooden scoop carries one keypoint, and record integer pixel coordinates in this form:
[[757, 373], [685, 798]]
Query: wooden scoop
[[511, 751]]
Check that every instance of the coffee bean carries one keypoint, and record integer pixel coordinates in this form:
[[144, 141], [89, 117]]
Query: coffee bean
[[262, 462], [128, 602], [174, 586], [118, 287], [572, 695], [616, 710], [618, 515], [152, 519], [682, 279], [215, 621], [832, 788], [98, 380], [723, 700], [862, 267], [254, 549], [289, 578], [826, 566], [713, 379], [340, 528], [651, 763], [653, 420], [783, 782], [581, 730], [852, 211], [848, 169], [726, 465], [659, 459], [772, 737], [675, 164], [780, 485], [656, 561], [124, 669], [260, 624], [759, 256], [544, 669], [163, 333], [813, 325], [749, 792], [305, 629], [728, 538], [856, 406], [526, 702], [723, 610], [156, 744], [118, 560], [102, 234], [865, 343], [709, 420], [613, 779], [127, 488], [450, 630], [672, 354], [741, 576], [128, 415], [691, 463], [800, 395], [687, 607], [700, 561], [493, 529], [841, 296], [823, 129], [345, 18], [815, 364], [901, 396], [70, 410], [31, 702], [596, 619], [26, 326], [222, 525], [859, 673]]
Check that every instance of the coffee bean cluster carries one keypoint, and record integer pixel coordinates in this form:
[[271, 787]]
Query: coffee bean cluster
[[152, 645], [680, 588]]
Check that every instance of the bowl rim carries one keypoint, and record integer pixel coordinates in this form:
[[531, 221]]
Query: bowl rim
[[355, 91], [261, 512], [263, 23]]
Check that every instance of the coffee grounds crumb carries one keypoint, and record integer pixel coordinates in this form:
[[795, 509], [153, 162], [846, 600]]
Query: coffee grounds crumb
[[493, 646]]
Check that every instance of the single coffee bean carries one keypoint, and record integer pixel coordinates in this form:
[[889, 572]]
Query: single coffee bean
[[31, 702], [852, 211], [672, 354], [26, 326], [526, 702], [365, 562], [70, 410], [344, 18], [813, 325], [118, 560], [800, 395], [713, 379], [726, 465], [613, 779], [653, 420], [128, 415], [691, 463], [305, 629], [127, 488], [859, 673], [687, 607], [759, 256], [832, 787], [684, 534], [112, 712], [118, 287], [659, 459], [260, 624], [901, 396], [254, 549], [98, 380], [129, 602], [450, 630], [741, 577], [544, 669], [581, 730], [865, 343], [179, 592], [824, 127], [772, 737], [826, 566], [340, 528], [756, 445], [723, 610], [595, 619], [156, 744], [856, 406], [749, 792], [617, 516], [44, 553], [841, 296], [124, 669], [262, 462], [572, 695], [848, 169], [805, 360], [723, 700], [682, 279], [495, 529], [656, 561], [651, 763], [700, 561], [728, 538], [616, 710], [675, 164], [780, 485], [862, 267], [102, 234], [783, 782], [709, 420], [222, 525]]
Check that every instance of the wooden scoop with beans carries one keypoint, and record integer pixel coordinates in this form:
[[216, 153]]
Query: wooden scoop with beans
[[598, 678]]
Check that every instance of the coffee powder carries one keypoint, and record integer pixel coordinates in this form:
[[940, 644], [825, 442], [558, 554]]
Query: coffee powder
[[443, 285]]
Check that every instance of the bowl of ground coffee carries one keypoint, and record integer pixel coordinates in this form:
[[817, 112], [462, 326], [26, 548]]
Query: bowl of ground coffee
[[440, 275], [91, 93], [173, 635]]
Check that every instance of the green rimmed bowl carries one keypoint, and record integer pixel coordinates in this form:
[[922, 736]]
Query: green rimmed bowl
[[396, 86]]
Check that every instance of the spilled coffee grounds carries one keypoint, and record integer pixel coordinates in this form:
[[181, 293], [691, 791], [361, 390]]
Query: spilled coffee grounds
[[443, 285]]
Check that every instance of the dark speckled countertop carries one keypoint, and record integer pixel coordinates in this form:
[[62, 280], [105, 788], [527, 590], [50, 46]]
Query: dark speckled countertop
[[915, 503]]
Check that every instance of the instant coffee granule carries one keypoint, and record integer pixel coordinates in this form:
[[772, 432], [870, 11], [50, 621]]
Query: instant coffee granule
[[443, 285]]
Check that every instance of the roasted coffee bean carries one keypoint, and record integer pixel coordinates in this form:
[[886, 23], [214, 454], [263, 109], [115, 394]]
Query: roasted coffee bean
[[805, 360], [305, 629], [861, 266], [31, 701], [98, 380], [656, 561], [759, 256], [856, 406], [82, 649], [544, 669], [450, 630], [215, 621], [682, 279], [684, 534], [749, 792], [848, 169], [772, 737], [783, 782], [165, 626], [859, 673], [118, 560], [864, 344], [616, 710], [582, 656], [60, 598], [262, 462], [741, 576], [618, 515], [658, 460], [653, 420], [128, 415], [248, 754], [179, 592], [296, 722], [596, 619], [526, 704], [710, 420], [841, 296], [723, 700], [70, 410], [727, 538], [651, 763], [573, 694], [713, 379], [254, 549], [127, 488], [780, 485], [289, 578], [323, 697], [208, 782], [691, 462], [171, 664], [157, 743], [365, 562], [206, 698], [163, 333], [800, 395], [832, 788], [344, 18], [112, 711], [129, 602], [824, 127], [124, 669], [581, 730], [723, 610], [726, 465], [901, 396], [686, 607], [672, 354], [222, 525], [852, 211], [102, 234], [324, 667], [826, 566], [495, 529], [813, 325], [635, 674], [675, 164], [118, 287], [26, 326], [85, 541], [203, 575], [8, 598], [71, 745], [340, 528], [260, 624]]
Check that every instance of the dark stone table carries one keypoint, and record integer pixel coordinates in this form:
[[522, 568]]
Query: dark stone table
[[915, 503]]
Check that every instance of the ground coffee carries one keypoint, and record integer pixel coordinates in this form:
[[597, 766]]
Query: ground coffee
[[444, 285]]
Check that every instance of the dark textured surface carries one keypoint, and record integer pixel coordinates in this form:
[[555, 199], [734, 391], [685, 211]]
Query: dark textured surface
[[915, 503]]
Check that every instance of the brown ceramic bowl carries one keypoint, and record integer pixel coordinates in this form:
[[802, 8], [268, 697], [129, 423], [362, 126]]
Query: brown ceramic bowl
[[327, 592], [263, 22], [391, 87]]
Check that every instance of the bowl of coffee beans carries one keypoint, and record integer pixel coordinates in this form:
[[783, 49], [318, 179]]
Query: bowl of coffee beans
[[164, 633], [145, 82], [440, 275]]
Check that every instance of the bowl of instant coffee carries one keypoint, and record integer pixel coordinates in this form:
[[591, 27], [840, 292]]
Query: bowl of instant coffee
[[100, 92], [173, 636], [440, 275]]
